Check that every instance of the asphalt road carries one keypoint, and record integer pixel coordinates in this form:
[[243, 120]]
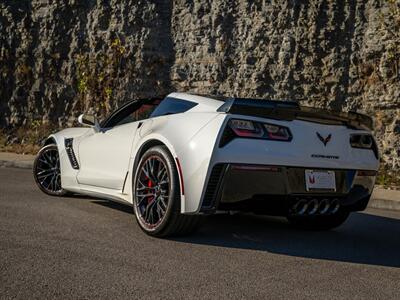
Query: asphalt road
[[87, 248]]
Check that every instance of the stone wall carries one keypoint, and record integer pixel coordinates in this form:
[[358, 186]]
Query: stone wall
[[336, 54]]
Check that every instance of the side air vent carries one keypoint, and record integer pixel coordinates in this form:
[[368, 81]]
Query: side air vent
[[70, 152], [214, 183]]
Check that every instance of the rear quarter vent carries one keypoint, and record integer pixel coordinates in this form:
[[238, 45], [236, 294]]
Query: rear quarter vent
[[213, 185]]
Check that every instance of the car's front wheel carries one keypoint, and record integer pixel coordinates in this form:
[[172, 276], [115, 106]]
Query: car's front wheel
[[156, 199], [47, 172], [319, 222]]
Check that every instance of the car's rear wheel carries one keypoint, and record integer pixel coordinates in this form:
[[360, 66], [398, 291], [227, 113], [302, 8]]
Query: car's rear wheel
[[47, 172], [156, 200], [320, 222]]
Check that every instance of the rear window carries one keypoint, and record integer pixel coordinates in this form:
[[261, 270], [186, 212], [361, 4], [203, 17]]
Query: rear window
[[172, 106]]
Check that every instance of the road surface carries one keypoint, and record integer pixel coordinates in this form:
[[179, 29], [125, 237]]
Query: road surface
[[81, 247]]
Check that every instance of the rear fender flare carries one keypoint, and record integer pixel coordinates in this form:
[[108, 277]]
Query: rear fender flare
[[150, 141]]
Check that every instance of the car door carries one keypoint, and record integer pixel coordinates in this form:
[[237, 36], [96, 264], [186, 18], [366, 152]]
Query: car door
[[104, 156]]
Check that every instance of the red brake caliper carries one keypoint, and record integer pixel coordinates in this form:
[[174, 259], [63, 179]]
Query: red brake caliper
[[150, 184]]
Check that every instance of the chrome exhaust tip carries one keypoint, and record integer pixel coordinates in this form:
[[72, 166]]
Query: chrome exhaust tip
[[300, 207], [324, 206], [312, 207], [334, 207]]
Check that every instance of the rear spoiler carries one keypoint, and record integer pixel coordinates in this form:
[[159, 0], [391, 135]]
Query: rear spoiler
[[290, 110]]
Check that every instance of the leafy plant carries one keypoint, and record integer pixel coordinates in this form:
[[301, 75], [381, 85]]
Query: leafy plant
[[26, 139], [97, 78], [388, 178]]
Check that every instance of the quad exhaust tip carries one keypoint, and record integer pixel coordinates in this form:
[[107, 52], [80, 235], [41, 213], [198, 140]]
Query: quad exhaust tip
[[311, 207]]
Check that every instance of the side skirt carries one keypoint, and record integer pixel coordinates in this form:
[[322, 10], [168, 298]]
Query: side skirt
[[103, 193]]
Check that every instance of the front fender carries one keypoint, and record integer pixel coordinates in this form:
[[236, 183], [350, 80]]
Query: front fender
[[68, 174]]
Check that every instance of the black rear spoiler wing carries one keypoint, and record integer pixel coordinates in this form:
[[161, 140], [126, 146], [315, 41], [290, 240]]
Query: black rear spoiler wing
[[290, 110]]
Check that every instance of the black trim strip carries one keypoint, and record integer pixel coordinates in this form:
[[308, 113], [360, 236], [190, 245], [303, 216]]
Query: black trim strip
[[123, 187]]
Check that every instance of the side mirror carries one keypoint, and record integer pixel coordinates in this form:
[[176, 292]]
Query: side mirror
[[89, 120]]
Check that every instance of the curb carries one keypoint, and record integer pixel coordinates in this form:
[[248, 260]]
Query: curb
[[23, 161], [385, 199], [384, 204], [21, 164]]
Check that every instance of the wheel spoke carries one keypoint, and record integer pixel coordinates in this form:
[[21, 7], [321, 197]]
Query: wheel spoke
[[47, 174], [146, 171], [45, 178], [45, 162], [51, 186], [152, 163], [164, 182], [43, 173], [148, 211], [141, 202], [144, 195], [49, 183], [141, 183], [161, 174], [142, 188], [155, 212], [151, 220], [160, 211], [48, 158], [151, 166], [161, 200]]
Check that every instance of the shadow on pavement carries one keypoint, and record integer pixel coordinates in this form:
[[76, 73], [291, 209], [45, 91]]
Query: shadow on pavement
[[364, 238], [115, 205]]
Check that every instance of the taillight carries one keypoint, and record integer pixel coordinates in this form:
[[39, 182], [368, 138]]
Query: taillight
[[275, 132], [364, 141], [257, 130], [361, 141], [245, 128]]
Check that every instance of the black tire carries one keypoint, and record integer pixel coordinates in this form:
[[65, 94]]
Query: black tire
[[157, 214], [46, 171], [319, 222]]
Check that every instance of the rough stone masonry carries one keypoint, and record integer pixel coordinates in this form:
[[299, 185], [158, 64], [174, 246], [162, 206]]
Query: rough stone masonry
[[335, 54]]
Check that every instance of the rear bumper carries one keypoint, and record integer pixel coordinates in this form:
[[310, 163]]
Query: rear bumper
[[274, 189]]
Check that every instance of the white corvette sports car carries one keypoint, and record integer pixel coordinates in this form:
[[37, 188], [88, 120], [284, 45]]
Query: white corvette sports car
[[183, 156]]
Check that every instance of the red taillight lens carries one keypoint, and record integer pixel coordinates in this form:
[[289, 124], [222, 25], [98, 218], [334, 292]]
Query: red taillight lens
[[252, 129], [277, 132], [245, 128]]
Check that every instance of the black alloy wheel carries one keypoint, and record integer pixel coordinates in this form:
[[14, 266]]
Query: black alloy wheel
[[47, 172], [157, 196], [152, 191]]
